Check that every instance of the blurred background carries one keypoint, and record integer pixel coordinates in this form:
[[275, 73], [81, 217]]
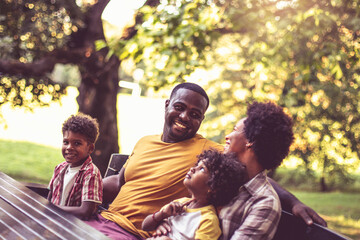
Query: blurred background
[[118, 61]]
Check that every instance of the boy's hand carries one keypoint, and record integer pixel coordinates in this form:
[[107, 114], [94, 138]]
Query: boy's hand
[[174, 208]]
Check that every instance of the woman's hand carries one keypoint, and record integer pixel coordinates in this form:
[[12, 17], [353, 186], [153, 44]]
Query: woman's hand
[[307, 214]]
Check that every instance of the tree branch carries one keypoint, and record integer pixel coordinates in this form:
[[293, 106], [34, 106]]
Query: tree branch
[[44, 65]]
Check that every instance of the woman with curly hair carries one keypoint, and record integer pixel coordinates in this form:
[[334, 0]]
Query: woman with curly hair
[[212, 182], [261, 141]]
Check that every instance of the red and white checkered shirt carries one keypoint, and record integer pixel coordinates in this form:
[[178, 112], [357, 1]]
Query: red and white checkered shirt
[[87, 187], [254, 213]]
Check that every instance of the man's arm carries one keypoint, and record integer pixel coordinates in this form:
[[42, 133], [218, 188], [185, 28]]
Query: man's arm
[[291, 204], [112, 186]]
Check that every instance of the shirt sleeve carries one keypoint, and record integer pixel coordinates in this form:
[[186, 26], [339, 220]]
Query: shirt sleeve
[[92, 189], [209, 228]]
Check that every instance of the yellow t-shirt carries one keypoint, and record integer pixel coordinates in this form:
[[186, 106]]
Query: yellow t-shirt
[[154, 175], [196, 223]]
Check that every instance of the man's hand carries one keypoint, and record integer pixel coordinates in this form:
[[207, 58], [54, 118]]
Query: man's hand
[[307, 214], [159, 238], [163, 229]]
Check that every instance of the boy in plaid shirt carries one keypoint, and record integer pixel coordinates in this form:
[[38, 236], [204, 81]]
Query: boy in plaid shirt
[[76, 185]]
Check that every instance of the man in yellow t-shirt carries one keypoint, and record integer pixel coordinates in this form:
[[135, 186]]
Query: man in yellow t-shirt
[[154, 173]]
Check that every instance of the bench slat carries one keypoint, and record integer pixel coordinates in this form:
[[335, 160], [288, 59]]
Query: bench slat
[[30, 210]]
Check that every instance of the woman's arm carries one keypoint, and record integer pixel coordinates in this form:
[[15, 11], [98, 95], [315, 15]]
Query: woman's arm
[[291, 204]]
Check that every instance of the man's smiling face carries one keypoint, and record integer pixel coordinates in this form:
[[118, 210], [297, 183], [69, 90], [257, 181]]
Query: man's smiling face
[[184, 113]]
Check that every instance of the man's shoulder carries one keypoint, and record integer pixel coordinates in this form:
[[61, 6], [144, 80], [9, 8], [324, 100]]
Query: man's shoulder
[[209, 143], [154, 137]]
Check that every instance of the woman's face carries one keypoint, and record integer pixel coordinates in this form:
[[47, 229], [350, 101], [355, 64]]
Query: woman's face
[[236, 140]]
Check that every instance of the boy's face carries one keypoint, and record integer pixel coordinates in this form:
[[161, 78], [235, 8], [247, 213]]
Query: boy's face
[[75, 148], [197, 178]]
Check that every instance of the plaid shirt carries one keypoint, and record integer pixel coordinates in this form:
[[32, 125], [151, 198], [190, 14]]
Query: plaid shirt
[[254, 213], [87, 187]]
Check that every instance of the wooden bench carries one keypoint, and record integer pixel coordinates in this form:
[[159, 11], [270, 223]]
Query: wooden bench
[[290, 226]]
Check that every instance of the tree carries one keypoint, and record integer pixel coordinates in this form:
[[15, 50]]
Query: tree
[[36, 35]]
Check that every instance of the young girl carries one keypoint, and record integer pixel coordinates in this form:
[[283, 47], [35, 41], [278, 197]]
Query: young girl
[[212, 182]]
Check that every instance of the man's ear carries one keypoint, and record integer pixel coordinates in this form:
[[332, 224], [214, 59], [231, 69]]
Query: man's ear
[[167, 102]]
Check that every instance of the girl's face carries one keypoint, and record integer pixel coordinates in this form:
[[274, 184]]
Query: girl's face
[[236, 141], [75, 148], [197, 178]]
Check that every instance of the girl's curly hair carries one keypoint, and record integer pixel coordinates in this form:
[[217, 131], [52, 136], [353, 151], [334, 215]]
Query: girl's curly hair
[[83, 124], [269, 129], [226, 175]]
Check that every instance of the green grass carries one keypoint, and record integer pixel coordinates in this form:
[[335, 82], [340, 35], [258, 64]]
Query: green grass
[[28, 162], [340, 210]]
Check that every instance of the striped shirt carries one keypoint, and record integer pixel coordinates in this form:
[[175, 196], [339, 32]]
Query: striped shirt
[[87, 187], [254, 213]]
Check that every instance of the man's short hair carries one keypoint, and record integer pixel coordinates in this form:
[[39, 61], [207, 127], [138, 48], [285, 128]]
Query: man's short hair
[[226, 175], [193, 87], [269, 129], [83, 124]]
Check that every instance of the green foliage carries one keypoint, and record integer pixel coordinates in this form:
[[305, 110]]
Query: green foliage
[[171, 41], [28, 162], [28, 30], [304, 55]]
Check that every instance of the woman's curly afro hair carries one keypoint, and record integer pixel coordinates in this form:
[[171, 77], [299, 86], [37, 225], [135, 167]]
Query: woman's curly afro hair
[[83, 124], [269, 129], [226, 175]]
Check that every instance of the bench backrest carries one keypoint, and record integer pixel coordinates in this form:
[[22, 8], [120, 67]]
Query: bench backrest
[[116, 162], [294, 228]]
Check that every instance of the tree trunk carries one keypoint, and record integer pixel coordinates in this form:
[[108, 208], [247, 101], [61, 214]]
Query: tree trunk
[[99, 87], [98, 98], [323, 186]]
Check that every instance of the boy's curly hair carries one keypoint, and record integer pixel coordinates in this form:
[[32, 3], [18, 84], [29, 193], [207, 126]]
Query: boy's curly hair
[[83, 124], [226, 175], [269, 129]]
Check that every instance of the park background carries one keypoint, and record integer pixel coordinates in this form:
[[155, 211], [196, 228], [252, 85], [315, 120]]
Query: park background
[[304, 55]]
